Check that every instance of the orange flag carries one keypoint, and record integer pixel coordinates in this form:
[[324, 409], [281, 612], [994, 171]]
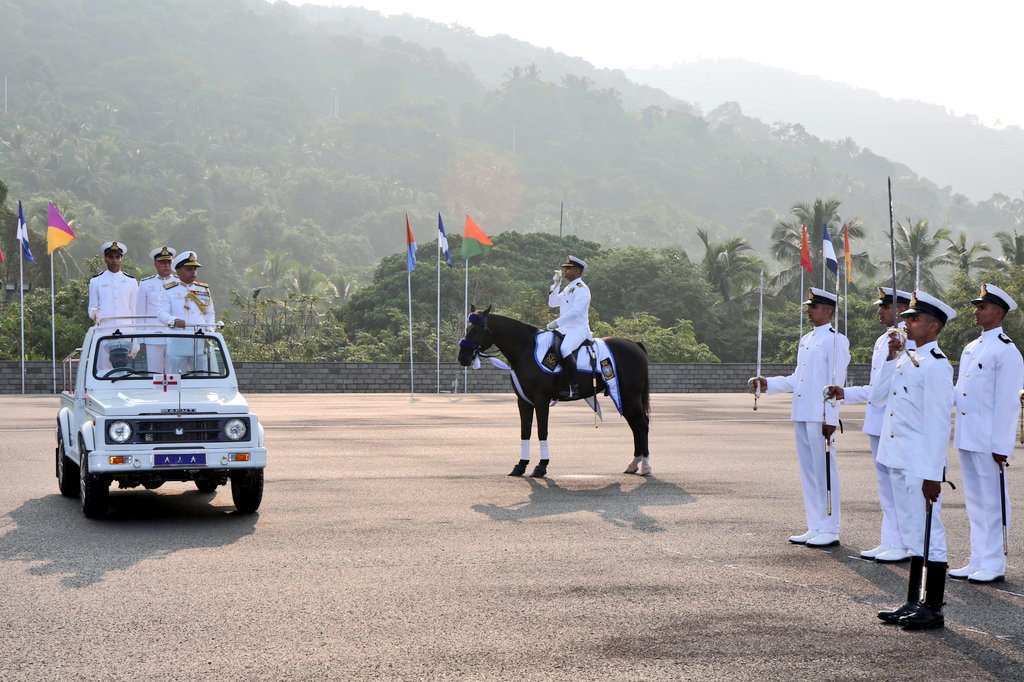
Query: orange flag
[[805, 252]]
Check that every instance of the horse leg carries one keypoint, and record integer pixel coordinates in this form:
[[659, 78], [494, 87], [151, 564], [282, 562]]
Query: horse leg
[[525, 427], [541, 470], [639, 424]]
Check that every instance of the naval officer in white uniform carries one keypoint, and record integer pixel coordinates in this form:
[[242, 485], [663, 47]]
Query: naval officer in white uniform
[[573, 322], [112, 293], [890, 548], [986, 395], [913, 444], [186, 304], [822, 359], [147, 304]]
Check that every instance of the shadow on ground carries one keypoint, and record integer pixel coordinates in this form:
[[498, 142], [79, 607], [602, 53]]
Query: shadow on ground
[[621, 507], [51, 535]]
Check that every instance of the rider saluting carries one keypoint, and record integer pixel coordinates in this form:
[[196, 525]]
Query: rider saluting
[[573, 322]]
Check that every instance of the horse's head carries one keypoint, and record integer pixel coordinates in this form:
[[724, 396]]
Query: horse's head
[[478, 337]]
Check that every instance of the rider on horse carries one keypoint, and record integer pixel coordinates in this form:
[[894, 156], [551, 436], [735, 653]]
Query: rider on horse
[[573, 322]]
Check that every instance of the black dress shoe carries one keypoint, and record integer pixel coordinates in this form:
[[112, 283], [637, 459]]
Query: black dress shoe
[[923, 619], [520, 468], [570, 393], [894, 617]]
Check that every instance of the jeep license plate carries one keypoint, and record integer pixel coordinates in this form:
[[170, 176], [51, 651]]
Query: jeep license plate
[[179, 460]]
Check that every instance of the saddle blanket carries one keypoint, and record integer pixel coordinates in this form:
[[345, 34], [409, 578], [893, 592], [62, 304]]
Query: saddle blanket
[[547, 361]]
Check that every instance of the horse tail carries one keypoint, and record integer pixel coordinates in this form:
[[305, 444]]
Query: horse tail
[[646, 388]]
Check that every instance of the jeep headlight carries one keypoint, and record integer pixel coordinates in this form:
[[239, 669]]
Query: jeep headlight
[[119, 431], [235, 429]]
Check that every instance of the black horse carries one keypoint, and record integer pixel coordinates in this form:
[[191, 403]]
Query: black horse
[[516, 340]]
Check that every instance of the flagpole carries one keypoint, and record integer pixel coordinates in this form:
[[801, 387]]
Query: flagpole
[[465, 316], [408, 279], [21, 291], [801, 296], [53, 331], [438, 338]]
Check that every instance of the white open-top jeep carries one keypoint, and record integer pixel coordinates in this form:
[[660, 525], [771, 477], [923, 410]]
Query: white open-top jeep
[[149, 405]]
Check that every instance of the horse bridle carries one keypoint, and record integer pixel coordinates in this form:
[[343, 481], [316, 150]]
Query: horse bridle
[[470, 345]]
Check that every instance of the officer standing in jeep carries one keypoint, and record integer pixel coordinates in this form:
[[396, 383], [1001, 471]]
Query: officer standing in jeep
[[185, 304], [573, 322]]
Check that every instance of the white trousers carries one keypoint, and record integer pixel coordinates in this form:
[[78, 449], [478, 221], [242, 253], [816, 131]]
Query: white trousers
[[574, 337], [912, 510], [981, 497], [890, 535], [810, 450], [156, 356]]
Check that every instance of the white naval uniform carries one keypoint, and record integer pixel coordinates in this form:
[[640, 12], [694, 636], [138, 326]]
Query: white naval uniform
[[820, 350], [873, 414], [987, 404], [176, 303], [915, 436], [111, 294], [147, 304], [573, 304]]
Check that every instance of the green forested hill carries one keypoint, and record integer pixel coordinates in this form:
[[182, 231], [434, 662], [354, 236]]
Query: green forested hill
[[287, 152]]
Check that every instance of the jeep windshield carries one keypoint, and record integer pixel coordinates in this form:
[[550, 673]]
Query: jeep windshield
[[141, 357]]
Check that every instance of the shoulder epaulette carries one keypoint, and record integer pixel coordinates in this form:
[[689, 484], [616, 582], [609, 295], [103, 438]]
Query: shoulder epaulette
[[201, 284], [937, 355], [579, 284], [98, 275], [145, 278], [1004, 338], [832, 329], [171, 285]]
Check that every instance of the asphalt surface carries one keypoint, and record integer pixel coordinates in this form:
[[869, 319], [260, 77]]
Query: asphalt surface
[[392, 545]]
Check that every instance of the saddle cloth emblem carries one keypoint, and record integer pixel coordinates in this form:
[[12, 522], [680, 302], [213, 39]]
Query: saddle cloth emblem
[[607, 370]]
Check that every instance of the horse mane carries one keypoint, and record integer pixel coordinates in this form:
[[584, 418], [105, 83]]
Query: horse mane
[[511, 327]]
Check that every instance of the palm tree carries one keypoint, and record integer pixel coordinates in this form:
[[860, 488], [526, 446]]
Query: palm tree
[[787, 237], [730, 269], [966, 258], [1013, 249], [917, 251]]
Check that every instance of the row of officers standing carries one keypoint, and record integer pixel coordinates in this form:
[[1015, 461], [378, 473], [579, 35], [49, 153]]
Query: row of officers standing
[[176, 300], [909, 399]]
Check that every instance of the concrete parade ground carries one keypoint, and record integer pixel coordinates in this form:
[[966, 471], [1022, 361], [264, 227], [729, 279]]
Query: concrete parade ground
[[391, 545]]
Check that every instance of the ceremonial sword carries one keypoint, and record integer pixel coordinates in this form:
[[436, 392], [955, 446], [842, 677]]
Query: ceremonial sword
[[895, 312], [923, 593], [1002, 503]]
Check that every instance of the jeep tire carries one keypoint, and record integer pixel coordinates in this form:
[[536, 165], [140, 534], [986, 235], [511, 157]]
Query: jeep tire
[[247, 489], [67, 471], [95, 490]]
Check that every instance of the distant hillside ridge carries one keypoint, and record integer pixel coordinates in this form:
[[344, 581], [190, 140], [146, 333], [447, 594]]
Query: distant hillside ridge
[[976, 160]]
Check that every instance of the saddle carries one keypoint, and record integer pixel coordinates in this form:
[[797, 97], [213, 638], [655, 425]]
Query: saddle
[[552, 360]]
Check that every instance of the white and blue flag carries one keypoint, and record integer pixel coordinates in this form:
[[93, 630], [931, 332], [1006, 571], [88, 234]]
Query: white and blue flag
[[23, 235], [442, 240]]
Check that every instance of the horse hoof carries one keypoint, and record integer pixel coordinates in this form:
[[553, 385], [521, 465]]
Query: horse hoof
[[519, 469], [539, 471], [634, 466], [645, 469]]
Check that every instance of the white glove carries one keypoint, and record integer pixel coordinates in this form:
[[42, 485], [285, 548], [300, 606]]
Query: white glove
[[555, 281], [552, 325]]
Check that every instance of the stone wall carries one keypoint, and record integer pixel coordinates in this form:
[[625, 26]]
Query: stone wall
[[350, 377]]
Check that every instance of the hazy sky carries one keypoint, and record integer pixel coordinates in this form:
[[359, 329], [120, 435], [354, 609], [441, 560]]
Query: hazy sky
[[964, 56]]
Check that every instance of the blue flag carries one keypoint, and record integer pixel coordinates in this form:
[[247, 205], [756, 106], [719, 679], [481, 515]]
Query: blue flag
[[828, 251], [23, 235], [442, 239]]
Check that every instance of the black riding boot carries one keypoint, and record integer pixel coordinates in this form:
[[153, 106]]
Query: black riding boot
[[569, 367], [929, 615], [913, 594]]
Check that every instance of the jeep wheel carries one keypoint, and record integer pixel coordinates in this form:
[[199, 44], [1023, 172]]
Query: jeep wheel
[[95, 491], [247, 490], [207, 486], [67, 471]]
